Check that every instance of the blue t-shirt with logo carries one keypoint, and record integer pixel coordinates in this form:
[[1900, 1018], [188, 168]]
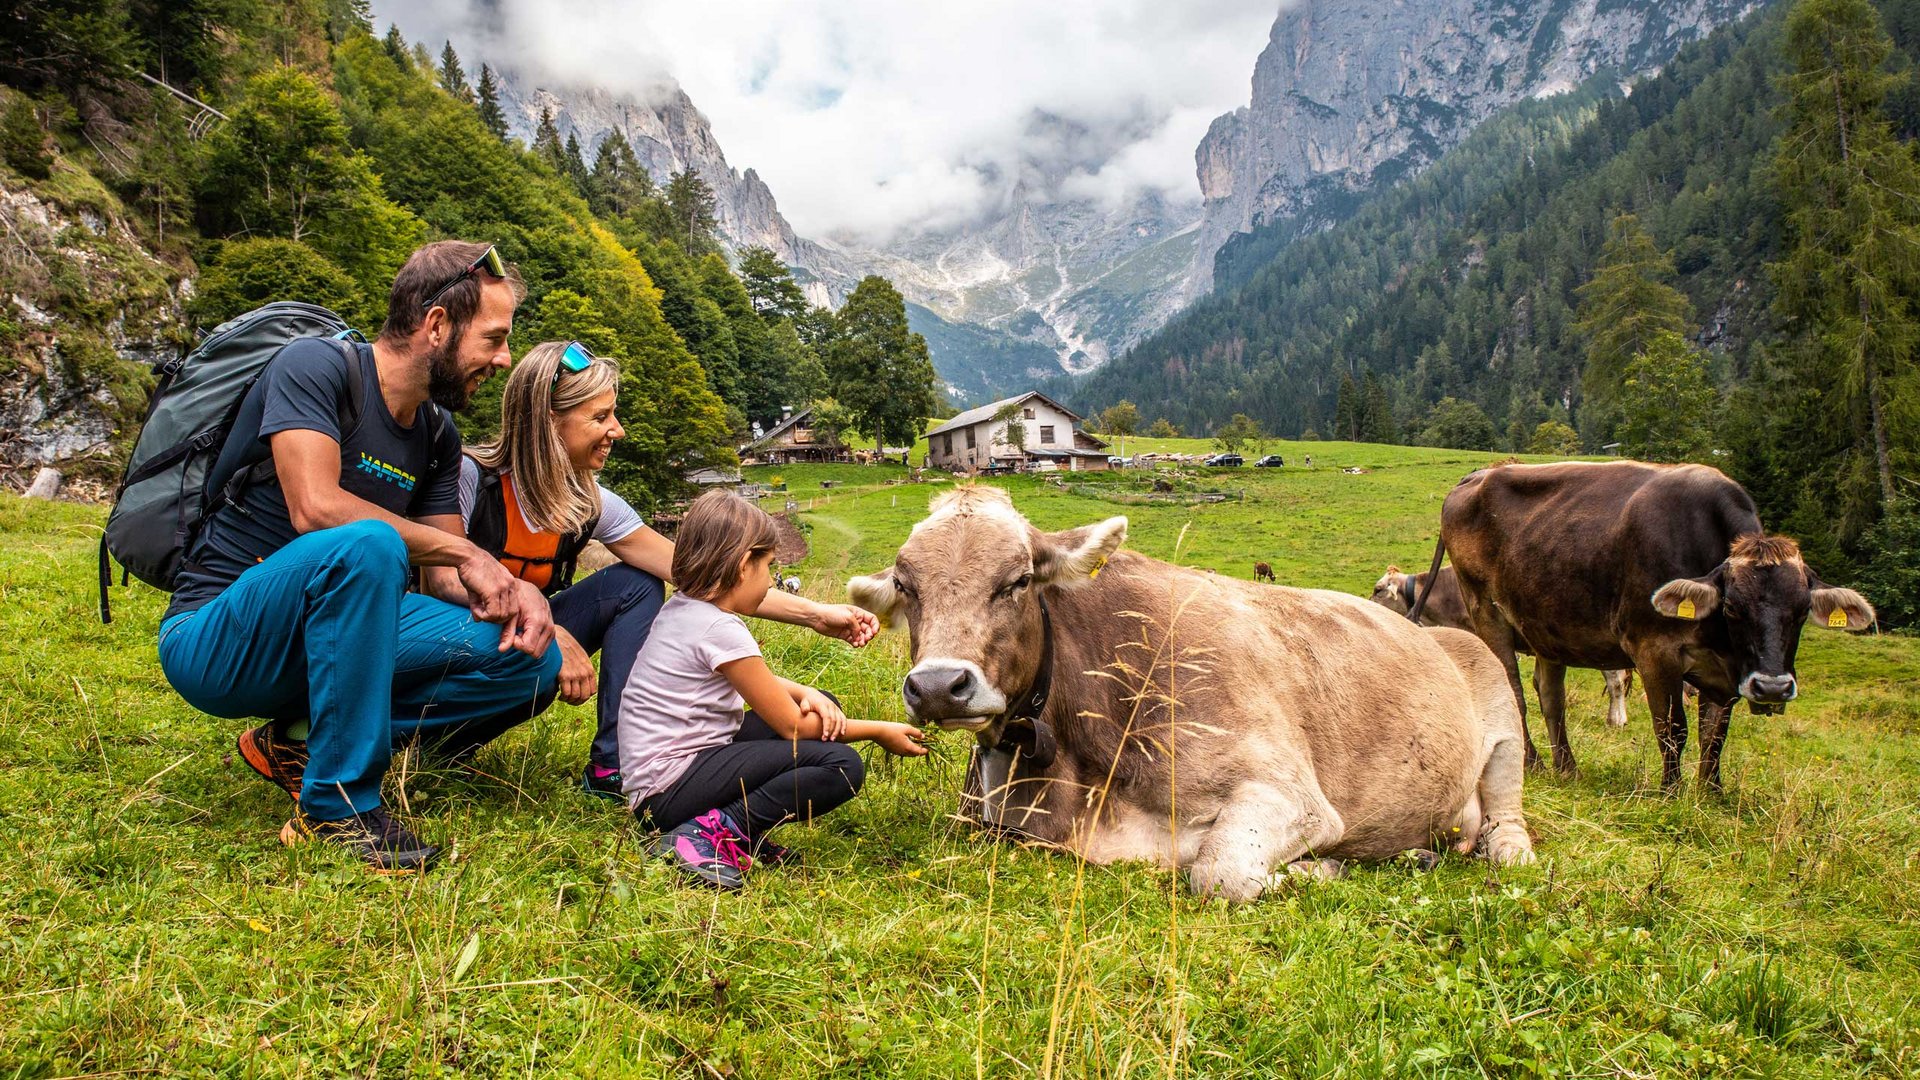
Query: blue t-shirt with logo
[[413, 472]]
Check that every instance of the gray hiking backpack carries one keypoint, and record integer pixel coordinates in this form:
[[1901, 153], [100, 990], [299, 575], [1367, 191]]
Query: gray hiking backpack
[[166, 492]]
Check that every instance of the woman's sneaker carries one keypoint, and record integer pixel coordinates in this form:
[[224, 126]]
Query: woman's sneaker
[[602, 782], [711, 848], [279, 760], [373, 836]]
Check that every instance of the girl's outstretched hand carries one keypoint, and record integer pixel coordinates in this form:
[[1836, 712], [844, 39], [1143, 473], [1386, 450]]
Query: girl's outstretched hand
[[901, 740]]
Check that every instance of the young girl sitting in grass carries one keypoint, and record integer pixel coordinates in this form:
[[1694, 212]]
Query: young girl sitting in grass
[[715, 780]]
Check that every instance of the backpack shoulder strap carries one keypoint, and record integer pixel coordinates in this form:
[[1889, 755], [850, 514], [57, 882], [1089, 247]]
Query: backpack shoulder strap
[[487, 525], [351, 409]]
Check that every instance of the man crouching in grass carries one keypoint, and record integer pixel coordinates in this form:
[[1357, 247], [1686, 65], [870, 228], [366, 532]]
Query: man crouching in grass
[[294, 604]]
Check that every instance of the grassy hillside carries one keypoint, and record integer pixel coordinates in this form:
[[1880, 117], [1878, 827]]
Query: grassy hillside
[[155, 926]]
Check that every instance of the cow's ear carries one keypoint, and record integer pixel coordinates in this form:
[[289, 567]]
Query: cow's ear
[[1838, 609], [876, 593], [1690, 598], [1077, 555]]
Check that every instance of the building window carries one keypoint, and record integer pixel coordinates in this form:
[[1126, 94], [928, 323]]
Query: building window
[[1046, 434], [970, 438], [1026, 414], [948, 437]]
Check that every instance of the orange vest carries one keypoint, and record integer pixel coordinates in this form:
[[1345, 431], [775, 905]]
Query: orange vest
[[529, 555]]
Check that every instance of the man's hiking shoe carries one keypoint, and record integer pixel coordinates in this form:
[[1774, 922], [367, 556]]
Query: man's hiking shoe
[[710, 849], [374, 837], [281, 761], [602, 785]]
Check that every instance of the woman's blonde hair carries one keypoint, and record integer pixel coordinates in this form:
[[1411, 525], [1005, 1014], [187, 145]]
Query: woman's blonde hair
[[554, 496]]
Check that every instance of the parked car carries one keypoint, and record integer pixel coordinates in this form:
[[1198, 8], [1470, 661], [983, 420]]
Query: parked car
[[1271, 461], [1224, 459]]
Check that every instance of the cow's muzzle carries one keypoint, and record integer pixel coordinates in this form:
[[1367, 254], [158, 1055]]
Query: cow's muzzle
[[1769, 689], [951, 693]]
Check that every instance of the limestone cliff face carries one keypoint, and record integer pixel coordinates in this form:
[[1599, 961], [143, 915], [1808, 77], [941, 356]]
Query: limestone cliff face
[[668, 135], [1350, 94], [87, 311]]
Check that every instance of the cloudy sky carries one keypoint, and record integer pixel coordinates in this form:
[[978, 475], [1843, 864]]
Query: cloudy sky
[[868, 116]]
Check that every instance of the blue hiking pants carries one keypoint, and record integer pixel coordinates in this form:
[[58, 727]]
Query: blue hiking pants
[[325, 630]]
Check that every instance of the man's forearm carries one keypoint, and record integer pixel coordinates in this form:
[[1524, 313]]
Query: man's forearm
[[427, 545]]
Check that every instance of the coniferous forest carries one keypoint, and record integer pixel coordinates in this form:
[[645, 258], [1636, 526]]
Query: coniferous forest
[[233, 152], [1717, 266]]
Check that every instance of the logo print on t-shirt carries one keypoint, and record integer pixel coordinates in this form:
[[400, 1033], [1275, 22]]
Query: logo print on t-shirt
[[373, 465]]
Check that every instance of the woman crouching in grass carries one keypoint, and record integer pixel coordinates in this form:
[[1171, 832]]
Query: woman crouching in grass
[[718, 781], [531, 499]]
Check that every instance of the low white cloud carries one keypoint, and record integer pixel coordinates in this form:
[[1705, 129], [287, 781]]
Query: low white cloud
[[871, 117]]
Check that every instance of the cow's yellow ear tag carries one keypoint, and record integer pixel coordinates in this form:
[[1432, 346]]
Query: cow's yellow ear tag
[[1684, 609], [1097, 567], [1837, 618]]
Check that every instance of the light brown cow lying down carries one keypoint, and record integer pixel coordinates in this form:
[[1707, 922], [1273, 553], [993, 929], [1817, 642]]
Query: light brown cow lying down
[[1288, 745], [1396, 590]]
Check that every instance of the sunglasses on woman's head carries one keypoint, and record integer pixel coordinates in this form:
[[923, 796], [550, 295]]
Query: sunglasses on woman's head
[[574, 358], [489, 261]]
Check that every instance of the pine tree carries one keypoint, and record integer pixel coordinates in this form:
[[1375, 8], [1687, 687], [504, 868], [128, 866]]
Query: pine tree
[[1346, 411], [1623, 308], [489, 104], [691, 202], [1852, 192], [453, 78], [775, 294], [1376, 412], [617, 184], [546, 142], [396, 47], [575, 164]]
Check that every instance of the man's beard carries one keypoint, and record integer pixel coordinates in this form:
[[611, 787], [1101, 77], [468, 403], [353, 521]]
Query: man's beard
[[446, 384]]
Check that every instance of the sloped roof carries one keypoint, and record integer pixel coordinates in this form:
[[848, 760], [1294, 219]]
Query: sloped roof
[[780, 429], [985, 412]]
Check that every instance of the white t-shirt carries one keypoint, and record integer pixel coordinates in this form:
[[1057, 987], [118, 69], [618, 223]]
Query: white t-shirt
[[676, 702], [618, 520]]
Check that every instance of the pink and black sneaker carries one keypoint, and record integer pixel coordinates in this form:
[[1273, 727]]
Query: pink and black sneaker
[[711, 848]]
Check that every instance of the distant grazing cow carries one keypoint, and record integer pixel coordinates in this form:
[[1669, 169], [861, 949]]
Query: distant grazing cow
[[1263, 572], [1660, 567], [791, 584], [1086, 673], [1397, 590]]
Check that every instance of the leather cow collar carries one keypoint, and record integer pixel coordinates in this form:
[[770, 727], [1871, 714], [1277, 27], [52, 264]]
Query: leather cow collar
[[1021, 728], [1409, 584]]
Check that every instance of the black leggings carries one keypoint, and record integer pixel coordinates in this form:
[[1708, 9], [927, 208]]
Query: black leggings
[[761, 779]]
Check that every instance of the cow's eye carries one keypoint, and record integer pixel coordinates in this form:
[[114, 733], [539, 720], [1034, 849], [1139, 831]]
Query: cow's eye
[[905, 588], [1014, 586]]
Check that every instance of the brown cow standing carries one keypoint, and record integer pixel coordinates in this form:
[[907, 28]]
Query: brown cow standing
[[1198, 722], [1263, 572], [1398, 590], [1663, 568]]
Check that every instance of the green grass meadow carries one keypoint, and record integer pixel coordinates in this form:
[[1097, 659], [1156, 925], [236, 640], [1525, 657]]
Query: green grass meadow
[[152, 925]]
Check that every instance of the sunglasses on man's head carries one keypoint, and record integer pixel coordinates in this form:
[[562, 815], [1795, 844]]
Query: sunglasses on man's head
[[489, 261], [574, 358]]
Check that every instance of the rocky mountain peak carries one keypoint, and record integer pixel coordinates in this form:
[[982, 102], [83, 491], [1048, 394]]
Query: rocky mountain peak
[[1349, 94]]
